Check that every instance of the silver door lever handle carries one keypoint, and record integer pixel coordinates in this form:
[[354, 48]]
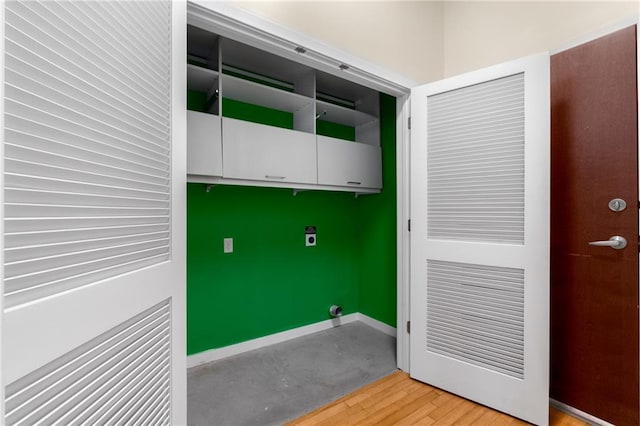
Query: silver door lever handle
[[616, 242]]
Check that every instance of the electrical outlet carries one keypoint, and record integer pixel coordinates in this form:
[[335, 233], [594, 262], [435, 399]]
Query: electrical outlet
[[310, 237], [228, 245]]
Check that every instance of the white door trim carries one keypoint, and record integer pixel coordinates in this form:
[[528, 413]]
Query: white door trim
[[179, 212], [403, 211], [231, 21], [2, 209]]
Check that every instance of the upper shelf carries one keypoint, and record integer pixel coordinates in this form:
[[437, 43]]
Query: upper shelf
[[201, 79], [342, 115], [259, 94], [223, 68]]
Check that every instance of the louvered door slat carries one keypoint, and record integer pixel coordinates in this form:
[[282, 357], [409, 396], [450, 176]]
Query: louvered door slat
[[71, 175], [82, 53], [25, 389], [55, 127], [35, 211], [92, 74], [51, 403], [90, 98], [476, 146], [46, 183], [87, 144], [132, 359], [51, 250], [45, 70], [78, 101], [32, 149], [108, 405], [125, 26], [62, 229]]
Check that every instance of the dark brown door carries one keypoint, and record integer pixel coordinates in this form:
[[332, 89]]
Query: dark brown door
[[594, 289]]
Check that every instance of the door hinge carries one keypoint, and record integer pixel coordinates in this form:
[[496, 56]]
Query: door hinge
[[409, 123], [409, 327], [409, 225]]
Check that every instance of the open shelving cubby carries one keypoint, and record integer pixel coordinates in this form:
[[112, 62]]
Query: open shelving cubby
[[271, 121]]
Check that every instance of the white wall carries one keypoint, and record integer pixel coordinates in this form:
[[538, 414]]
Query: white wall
[[428, 40], [402, 36], [479, 34]]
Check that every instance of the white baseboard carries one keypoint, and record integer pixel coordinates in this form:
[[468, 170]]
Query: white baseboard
[[227, 351], [378, 325], [592, 420]]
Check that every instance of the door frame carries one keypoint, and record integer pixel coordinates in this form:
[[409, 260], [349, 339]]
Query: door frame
[[234, 22]]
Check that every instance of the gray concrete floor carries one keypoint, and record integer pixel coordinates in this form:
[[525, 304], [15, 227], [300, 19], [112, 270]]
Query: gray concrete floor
[[281, 382]]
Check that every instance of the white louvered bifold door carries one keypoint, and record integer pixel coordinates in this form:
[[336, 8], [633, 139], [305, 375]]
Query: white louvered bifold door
[[480, 236], [93, 199]]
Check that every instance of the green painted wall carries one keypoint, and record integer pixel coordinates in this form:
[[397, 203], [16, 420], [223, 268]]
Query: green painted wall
[[272, 282], [377, 230]]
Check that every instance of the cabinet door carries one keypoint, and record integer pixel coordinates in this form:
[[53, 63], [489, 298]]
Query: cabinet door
[[258, 152], [204, 144], [345, 163]]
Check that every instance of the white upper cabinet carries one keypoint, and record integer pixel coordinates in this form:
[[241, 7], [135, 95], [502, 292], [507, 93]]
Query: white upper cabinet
[[275, 122], [351, 111], [351, 164], [257, 152], [204, 144]]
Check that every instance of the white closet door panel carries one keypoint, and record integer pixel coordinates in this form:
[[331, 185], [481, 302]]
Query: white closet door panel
[[258, 152], [204, 144], [480, 236], [93, 223], [345, 163]]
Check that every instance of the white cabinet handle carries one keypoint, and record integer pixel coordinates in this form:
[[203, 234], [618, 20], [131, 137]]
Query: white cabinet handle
[[274, 177], [353, 182]]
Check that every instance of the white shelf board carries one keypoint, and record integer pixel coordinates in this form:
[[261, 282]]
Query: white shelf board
[[201, 79], [214, 180], [342, 115], [259, 94]]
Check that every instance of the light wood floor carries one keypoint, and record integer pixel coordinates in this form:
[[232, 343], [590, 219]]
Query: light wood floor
[[399, 400]]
